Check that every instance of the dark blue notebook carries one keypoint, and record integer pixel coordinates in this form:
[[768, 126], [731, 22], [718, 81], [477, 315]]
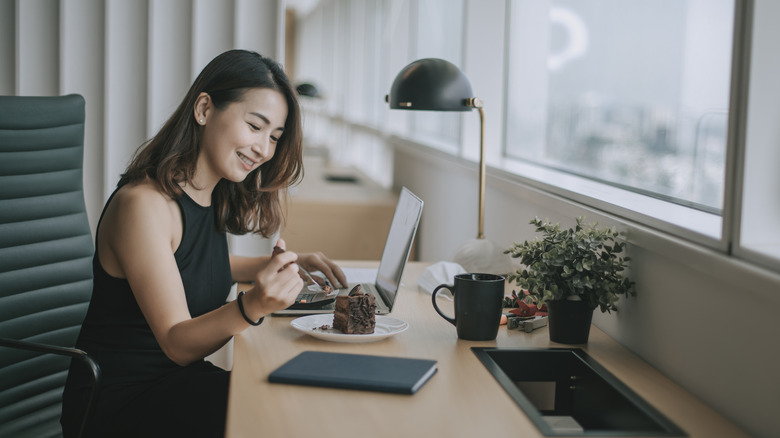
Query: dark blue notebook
[[355, 371]]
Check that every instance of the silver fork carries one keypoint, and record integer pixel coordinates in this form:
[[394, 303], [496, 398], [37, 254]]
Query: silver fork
[[315, 287]]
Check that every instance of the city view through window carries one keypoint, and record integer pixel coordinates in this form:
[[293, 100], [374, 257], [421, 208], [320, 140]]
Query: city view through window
[[635, 94]]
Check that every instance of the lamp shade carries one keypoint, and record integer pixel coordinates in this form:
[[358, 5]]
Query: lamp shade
[[431, 84], [308, 90]]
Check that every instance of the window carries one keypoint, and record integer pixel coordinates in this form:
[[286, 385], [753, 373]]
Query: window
[[631, 94]]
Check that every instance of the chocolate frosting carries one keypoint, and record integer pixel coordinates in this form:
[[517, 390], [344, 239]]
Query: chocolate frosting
[[355, 313], [364, 315]]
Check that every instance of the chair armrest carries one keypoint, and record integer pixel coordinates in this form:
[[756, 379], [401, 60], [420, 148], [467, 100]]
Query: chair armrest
[[93, 367]]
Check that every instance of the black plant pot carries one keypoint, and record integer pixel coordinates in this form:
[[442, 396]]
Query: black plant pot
[[569, 321]]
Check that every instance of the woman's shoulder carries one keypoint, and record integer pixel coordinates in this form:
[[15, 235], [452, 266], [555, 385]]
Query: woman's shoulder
[[138, 220], [143, 199], [143, 192]]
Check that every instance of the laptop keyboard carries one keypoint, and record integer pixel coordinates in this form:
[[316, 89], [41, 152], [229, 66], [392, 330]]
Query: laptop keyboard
[[314, 300], [322, 301], [312, 297]]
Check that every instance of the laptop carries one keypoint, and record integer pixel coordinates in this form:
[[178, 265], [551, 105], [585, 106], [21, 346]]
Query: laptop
[[398, 245]]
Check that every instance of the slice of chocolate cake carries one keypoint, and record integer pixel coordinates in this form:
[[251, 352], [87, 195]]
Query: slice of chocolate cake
[[355, 313]]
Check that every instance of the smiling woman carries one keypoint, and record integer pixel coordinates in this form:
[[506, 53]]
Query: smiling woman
[[162, 271], [222, 89], [239, 138]]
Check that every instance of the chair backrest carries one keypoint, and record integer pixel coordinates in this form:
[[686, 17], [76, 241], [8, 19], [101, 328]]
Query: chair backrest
[[45, 254]]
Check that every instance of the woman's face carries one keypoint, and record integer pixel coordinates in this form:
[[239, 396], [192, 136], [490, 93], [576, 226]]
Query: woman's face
[[241, 137]]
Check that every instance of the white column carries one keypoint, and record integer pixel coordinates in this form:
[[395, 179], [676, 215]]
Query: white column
[[212, 31], [170, 58], [126, 85], [37, 48], [256, 27], [82, 62], [7, 46]]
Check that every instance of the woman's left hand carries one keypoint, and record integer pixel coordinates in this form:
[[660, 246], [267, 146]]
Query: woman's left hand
[[317, 261]]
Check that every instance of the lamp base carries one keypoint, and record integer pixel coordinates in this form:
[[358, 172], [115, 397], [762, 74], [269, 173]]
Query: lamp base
[[483, 256]]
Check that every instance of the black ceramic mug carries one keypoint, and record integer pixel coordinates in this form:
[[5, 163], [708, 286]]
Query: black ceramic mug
[[478, 303]]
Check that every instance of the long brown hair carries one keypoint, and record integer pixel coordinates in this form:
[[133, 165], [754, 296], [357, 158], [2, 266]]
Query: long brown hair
[[169, 158]]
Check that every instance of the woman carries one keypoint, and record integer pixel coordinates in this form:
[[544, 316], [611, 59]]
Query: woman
[[161, 267]]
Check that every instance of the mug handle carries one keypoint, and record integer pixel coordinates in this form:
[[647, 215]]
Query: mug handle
[[435, 306]]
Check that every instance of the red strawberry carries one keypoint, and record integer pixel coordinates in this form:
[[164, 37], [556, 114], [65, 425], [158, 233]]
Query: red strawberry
[[524, 309]]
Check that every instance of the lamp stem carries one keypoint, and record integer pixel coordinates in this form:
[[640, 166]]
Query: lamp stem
[[481, 222]]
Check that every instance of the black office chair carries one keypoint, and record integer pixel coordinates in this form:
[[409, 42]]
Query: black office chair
[[45, 260]]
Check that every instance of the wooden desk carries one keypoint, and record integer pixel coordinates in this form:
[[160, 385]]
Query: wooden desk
[[339, 211], [461, 400]]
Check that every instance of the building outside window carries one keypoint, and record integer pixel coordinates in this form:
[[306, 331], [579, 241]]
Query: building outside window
[[633, 94]]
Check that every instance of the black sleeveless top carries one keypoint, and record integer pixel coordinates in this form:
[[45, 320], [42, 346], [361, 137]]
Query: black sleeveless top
[[115, 332]]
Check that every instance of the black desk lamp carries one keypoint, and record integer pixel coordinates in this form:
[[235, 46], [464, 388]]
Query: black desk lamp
[[432, 84], [307, 89]]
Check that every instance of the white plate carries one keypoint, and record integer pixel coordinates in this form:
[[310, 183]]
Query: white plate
[[311, 325]]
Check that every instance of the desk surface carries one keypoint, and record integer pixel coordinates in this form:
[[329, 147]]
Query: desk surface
[[324, 215], [461, 400]]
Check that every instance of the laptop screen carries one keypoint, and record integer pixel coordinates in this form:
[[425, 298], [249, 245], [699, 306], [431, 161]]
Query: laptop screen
[[398, 244]]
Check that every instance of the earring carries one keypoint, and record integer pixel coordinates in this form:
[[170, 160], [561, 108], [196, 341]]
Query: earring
[[200, 121]]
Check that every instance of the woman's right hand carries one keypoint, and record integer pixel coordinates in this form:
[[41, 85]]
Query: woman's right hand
[[277, 285]]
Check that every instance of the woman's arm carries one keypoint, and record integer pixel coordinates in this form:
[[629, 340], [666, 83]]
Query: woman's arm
[[139, 233], [243, 269], [317, 261]]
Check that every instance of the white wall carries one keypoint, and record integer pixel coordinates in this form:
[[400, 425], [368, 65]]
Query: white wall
[[132, 60]]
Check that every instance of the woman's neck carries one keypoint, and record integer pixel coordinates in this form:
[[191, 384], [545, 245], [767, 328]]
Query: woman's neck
[[202, 185], [200, 194]]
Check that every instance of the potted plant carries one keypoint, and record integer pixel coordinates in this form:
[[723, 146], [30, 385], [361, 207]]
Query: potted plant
[[573, 271]]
